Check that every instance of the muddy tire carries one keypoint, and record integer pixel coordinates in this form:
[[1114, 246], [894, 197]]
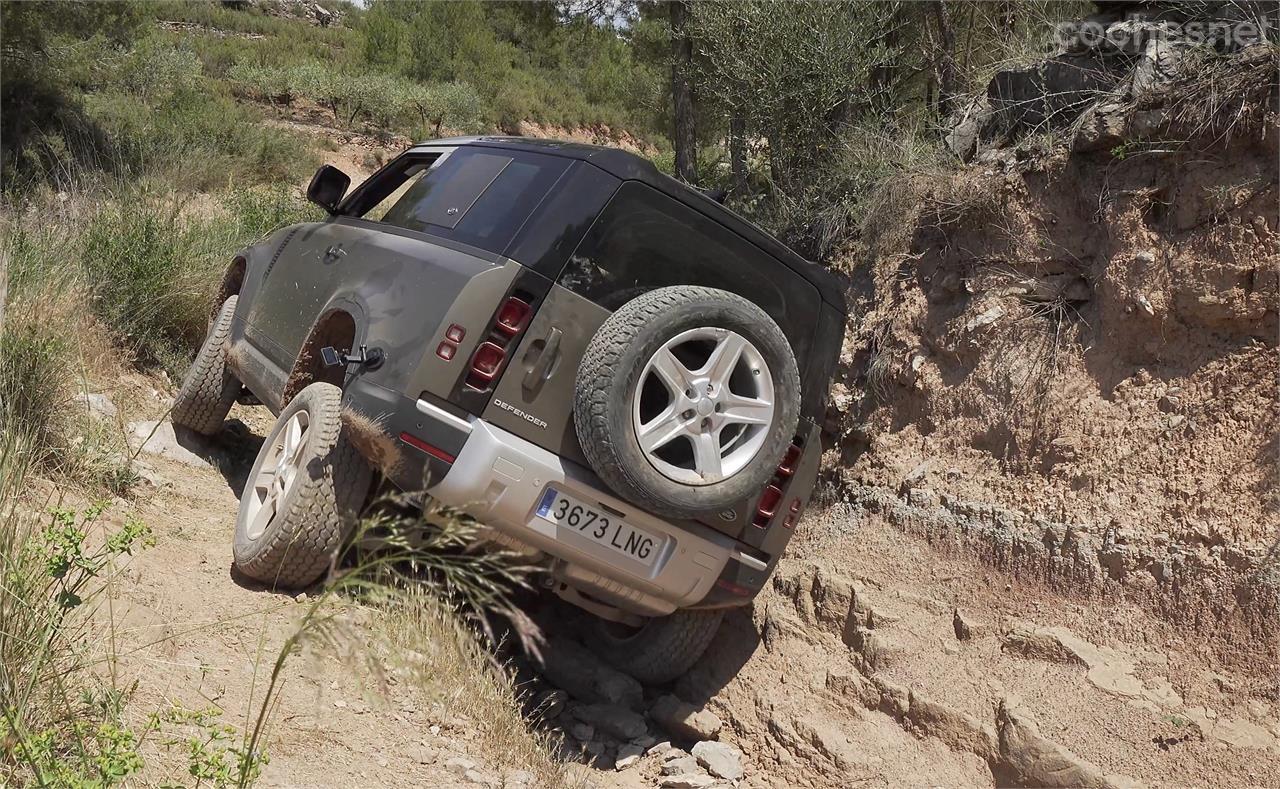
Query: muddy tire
[[686, 400], [303, 494], [210, 388], [662, 649]]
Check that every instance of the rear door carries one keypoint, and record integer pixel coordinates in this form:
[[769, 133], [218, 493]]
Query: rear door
[[390, 228], [641, 241]]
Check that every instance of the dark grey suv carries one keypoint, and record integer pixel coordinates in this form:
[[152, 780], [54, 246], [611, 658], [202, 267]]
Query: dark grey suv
[[607, 368]]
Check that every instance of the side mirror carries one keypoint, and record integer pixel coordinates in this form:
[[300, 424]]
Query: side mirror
[[327, 187]]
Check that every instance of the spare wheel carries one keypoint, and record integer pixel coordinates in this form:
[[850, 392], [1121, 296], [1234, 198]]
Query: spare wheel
[[686, 400]]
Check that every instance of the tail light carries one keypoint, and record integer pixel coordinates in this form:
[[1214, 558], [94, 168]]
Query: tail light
[[771, 498], [490, 356], [448, 347], [768, 505], [513, 316], [485, 363], [789, 461]]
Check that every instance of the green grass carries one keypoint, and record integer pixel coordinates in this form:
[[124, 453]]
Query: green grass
[[146, 262]]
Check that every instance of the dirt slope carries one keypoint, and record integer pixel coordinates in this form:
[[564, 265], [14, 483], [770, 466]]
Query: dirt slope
[[848, 671]]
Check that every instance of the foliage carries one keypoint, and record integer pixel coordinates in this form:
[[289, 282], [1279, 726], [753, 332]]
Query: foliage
[[213, 757], [33, 385], [61, 734], [801, 102]]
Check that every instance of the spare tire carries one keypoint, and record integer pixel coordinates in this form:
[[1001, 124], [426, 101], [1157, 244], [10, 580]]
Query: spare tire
[[686, 400]]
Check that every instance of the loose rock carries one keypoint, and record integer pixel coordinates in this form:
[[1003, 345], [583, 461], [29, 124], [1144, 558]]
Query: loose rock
[[458, 765], [685, 720], [627, 756], [159, 438], [617, 721], [574, 668], [682, 765], [699, 781], [720, 759]]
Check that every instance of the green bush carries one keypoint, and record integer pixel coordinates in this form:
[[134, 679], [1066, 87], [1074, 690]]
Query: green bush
[[256, 212], [207, 141], [143, 268]]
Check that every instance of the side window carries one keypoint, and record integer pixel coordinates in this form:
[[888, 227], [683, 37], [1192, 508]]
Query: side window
[[645, 240], [476, 196]]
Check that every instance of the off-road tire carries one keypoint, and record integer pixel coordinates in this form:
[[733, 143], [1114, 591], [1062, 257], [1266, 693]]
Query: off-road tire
[[321, 508], [608, 373], [210, 388], [662, 649]]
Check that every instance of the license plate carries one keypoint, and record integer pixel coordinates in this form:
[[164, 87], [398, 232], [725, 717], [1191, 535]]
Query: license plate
[[596, 525]]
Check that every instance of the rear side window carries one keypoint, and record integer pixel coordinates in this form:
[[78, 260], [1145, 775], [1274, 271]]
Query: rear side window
[[478, 197], [645, 240]]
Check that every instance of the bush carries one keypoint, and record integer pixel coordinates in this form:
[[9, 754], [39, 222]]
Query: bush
[[139, 263], [206, 141]]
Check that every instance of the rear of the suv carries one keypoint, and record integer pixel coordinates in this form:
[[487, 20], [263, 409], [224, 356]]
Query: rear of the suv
[[598, 363]]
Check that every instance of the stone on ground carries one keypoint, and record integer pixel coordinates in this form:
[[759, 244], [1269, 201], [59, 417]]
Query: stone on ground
[[685, 720], [720, 759]]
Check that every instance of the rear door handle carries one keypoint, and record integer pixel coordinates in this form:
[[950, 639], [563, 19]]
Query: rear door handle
[[541, 367]]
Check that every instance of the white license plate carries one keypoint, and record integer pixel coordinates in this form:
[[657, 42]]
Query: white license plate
[[599, 526]]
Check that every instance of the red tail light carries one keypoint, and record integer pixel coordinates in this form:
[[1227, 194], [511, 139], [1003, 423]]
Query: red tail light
[[513, 316], [490, 356], [768, 505], [485, 364], [772, 496], [433, 451]]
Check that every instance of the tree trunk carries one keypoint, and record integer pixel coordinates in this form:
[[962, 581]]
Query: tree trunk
[[685, 138], [738, 153], [945, 65], [1006, 19], [884, 74]]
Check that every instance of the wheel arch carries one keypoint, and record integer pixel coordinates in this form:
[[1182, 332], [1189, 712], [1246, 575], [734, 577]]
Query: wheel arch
[[336, 327], [232, 282]]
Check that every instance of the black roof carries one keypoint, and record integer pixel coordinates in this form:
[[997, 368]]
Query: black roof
[[628, 166]]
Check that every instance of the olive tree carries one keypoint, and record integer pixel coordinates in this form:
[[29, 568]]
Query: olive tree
[[795, 74]]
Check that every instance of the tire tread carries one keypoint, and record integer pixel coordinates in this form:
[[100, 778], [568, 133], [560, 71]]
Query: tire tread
[[210, 388]]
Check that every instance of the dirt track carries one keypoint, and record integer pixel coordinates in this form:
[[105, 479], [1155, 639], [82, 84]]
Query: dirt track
[[848, 671]]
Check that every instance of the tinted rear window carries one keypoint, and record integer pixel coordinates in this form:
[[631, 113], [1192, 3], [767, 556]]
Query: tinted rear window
[[645, 240], [477, 197]]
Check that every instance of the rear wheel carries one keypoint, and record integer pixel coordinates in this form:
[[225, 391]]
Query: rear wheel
[[210, 388], [663, 648], [303, 494]]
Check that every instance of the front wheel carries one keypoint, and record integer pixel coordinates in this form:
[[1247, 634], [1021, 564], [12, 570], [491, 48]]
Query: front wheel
[[663, 648], [210, 388], [303, 495]]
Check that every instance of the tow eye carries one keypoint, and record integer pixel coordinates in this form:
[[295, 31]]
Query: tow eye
[[368, 357]]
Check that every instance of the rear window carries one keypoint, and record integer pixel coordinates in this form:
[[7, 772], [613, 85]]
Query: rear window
[[645, 240], [477, 197]]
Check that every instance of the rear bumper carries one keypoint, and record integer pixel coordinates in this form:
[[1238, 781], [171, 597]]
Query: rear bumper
[[500, 479]]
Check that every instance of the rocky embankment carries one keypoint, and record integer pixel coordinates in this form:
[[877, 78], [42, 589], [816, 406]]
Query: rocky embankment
[[1066, 364]]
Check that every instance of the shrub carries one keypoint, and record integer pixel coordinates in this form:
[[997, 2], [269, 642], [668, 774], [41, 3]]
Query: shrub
[[205, 140]]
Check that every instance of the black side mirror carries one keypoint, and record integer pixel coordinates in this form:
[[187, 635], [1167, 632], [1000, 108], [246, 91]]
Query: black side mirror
[[327, 187]]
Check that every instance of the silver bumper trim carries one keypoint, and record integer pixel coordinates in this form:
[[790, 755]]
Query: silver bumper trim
[[436, 412], [500, 478]]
